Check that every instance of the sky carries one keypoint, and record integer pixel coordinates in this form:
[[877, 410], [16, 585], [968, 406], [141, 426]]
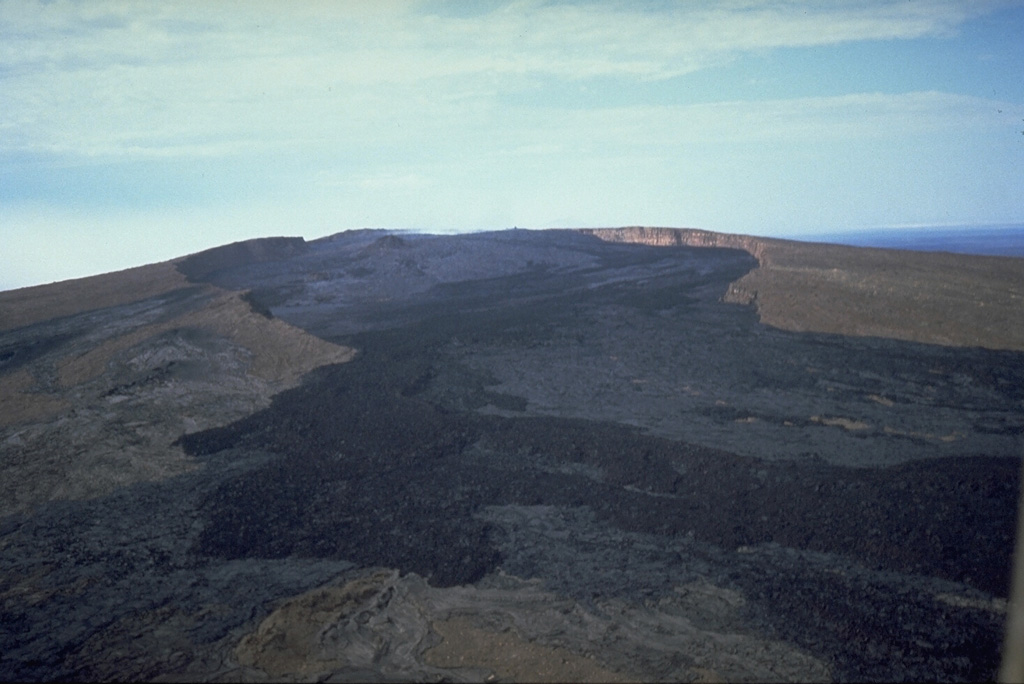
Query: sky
[[135, 132]]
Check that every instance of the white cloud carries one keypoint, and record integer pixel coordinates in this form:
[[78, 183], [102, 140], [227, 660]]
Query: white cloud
[[161, 79], [655, 130]]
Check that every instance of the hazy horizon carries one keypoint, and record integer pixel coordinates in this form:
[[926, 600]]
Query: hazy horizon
[[137, 132], [994, 240], [991, 240]]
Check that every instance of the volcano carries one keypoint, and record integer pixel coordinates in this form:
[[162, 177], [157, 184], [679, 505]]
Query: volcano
[[563, 455]]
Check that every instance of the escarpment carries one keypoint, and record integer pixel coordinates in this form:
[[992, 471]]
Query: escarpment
[[682, 237], [934, 297]]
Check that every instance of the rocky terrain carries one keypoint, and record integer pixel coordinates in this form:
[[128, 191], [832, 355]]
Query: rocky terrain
[[638, 454]]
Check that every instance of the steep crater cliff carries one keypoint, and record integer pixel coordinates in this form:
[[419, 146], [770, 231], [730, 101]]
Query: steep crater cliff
[[933, 297]]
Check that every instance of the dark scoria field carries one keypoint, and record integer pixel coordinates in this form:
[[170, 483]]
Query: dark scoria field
[[548, 450]]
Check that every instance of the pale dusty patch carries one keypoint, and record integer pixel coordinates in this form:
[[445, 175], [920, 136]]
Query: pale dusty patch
[[17, 405], [993, 605], [845, 423], [951, 437], [881, 400], [703, 593], [397, 626], [288, 642], [281, 353], [102, 433], [74, 370], [509, 656]]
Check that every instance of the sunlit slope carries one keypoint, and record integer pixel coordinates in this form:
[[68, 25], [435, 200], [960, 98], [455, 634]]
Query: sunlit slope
[[99, 375], [932, 297]]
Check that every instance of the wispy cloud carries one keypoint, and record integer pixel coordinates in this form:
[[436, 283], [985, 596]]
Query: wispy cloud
[[858, 116], [162, 79]]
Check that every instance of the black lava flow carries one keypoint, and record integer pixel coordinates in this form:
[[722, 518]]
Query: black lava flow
[[372, 467], [368, 472]]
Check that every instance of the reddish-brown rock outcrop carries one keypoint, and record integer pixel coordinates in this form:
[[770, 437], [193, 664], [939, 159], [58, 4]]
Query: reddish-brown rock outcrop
[[682, 237]]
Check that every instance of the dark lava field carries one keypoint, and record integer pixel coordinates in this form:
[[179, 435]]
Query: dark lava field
[[585, 418]]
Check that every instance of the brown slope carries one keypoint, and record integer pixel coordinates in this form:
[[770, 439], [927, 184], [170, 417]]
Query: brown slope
[[29, 305], [932, 297], [101, 406]]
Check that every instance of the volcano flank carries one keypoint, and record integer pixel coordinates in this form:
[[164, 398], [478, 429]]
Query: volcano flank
[[605, 455]]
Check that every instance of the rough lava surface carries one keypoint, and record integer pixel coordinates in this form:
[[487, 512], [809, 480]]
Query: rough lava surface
[[518, 456]]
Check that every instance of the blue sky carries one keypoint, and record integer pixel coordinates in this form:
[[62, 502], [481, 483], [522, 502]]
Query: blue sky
[[133, 132]]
